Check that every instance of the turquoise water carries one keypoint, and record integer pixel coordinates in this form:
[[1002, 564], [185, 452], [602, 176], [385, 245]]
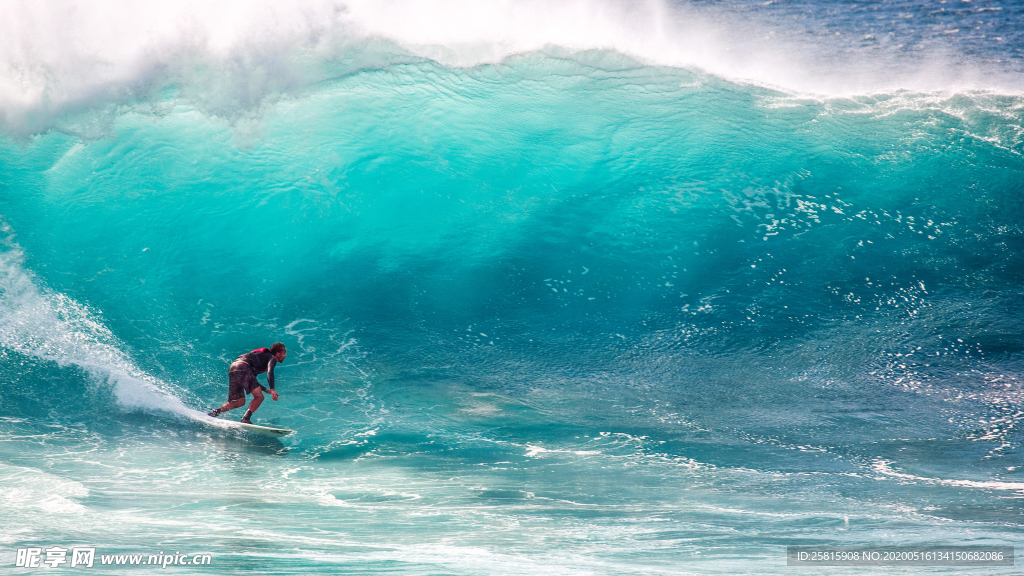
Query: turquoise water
[[567, 311]]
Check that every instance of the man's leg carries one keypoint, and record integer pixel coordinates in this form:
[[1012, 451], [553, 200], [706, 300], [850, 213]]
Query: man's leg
[[257, 399], [231, 405], [236, 394]]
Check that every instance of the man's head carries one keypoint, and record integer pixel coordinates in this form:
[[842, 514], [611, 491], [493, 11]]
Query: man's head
[[278, 351]]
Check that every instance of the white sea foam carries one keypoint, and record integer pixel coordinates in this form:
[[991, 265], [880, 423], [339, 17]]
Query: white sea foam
[[32, 488], [885, 468], [54, 327], [231, 55]]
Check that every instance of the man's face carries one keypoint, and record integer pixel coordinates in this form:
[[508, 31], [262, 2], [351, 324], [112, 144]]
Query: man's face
[[280, 356]]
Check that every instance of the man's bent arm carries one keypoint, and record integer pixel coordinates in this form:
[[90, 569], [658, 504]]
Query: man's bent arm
[[270, 372]]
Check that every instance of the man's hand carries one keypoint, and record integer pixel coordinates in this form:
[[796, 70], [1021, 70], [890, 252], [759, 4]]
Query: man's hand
[[273, 394]]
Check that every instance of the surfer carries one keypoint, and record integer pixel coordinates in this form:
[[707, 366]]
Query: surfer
[[242, 379]]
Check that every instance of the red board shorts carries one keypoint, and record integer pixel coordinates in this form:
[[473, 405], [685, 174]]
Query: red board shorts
[[240, 383]]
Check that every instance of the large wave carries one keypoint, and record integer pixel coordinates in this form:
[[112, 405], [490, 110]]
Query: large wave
[[548, 214]]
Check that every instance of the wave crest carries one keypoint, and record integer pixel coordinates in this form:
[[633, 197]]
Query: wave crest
[[228, 58]]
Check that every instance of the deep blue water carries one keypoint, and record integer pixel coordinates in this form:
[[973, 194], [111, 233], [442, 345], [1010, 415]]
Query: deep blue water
[[579, 288]]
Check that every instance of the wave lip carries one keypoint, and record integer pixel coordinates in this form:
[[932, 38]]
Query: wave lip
[[230, 57]]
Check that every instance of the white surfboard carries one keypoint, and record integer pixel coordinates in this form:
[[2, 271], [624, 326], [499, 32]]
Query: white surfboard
[[261, 430], [267, 431]]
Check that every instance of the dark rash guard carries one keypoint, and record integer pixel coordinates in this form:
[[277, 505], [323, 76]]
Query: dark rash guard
[[258, 362]]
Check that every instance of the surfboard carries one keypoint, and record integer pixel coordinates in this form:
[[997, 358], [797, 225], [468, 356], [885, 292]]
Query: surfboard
[[268, 431], [262, 430]]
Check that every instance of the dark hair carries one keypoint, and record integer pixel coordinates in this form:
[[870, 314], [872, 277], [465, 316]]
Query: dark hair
[[277, 347]]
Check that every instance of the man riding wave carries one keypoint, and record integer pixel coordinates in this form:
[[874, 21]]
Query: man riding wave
[[242, 379]]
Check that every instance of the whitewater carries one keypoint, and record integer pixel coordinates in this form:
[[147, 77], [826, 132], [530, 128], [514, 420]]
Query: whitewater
[[568, 287]]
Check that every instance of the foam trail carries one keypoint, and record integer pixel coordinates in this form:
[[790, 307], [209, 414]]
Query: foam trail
[[884, 467], [56, 328]]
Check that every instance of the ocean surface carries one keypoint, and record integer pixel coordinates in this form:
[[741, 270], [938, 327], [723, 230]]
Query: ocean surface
[[575, 288]]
